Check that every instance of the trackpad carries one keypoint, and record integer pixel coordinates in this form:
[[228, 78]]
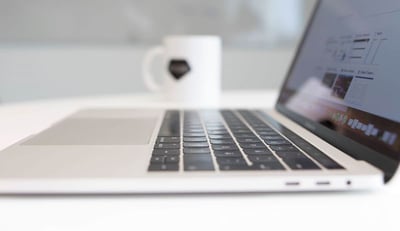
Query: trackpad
[[97, 131]]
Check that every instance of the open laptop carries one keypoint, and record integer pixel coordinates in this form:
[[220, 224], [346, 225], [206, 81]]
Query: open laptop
[[336, 126]]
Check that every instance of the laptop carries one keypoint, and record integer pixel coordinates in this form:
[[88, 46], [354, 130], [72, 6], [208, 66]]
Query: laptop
[[335, 126]]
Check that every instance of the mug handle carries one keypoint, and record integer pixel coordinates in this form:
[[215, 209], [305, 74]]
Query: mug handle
[[147, 61]]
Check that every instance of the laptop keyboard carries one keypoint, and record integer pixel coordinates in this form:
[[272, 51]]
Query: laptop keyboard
[[231, 140]]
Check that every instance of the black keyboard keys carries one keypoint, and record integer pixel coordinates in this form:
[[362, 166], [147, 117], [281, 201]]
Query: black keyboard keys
[[171, 125], [312, 151], [257, 152], [167, 146], [228, 153], [224, 138], [297, 160], [166, 152], [222, 141], [163, 167], [164, 159], [168, 139], [195, 145], [196, 150], [252, 145], [263, 158], [188, 151], [195, 139], [231, 161], [273, 165], [199, 162], [225, 147], [165, 156], [301, 164]]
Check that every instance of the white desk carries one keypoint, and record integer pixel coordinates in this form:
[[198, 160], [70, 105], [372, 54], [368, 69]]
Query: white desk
[[376, 210]]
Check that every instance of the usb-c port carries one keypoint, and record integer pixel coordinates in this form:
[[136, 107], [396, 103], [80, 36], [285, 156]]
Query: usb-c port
[[293, 183], [323, 183]]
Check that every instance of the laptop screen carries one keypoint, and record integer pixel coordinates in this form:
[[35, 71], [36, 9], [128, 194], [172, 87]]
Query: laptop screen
[[346, 75]]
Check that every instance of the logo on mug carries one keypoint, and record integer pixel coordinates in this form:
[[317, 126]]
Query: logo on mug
[[178, 68]]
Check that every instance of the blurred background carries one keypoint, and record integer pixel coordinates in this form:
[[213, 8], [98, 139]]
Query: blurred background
[[68, 48]]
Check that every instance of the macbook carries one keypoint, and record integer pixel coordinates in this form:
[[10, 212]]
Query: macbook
[[335, 126]]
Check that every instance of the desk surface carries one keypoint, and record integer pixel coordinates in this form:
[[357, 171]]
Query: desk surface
[[371, 210]]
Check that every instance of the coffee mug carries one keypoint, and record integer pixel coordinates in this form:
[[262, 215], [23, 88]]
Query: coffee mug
[[191, 69]]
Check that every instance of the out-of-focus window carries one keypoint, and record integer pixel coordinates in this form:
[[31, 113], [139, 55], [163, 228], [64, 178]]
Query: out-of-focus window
[[241, 23]]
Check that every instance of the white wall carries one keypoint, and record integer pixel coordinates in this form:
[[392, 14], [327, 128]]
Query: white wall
[[244, 23], [64, 48], [28, 73]]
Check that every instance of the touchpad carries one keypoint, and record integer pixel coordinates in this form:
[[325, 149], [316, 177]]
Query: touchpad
[[97, 131]]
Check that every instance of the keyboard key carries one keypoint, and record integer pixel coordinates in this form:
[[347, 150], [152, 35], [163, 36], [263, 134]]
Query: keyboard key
[[221, 132], [324, 160], [216, 128], [272, 165], [196, 151], [275, 137], [248, 140], [245, 135], [157, 159], [198, 163], [264, 129], [168, 139], [167, 152], [241, 131], [226, 136], [163, 167], [194, 134], [263, 151], [290, 154], [224, 147], [252, 145], [229, 161], [277, 142], [234, 167], [221, 141], [268, 133], [171, 159], [297, 160], [167, 146], [171, 124], [195, 145], [255, 124], [235, 153], [241, 126], [218, 125], [263, 158], [194, 120], [195, 139], [301, 164], [193, 130], [283, 148], [193, 126]]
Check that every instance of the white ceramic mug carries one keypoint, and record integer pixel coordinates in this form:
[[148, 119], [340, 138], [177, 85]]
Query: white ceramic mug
[[191, 69]]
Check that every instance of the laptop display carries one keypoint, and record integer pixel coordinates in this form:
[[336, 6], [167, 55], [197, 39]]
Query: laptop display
[[346, 77]]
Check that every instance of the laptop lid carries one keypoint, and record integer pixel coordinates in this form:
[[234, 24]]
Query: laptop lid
[[344, 82]]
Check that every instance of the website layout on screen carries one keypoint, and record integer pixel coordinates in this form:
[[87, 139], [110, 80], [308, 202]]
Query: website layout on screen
[[347, 75]]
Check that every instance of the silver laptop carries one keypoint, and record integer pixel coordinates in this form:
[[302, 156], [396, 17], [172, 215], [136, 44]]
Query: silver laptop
[[335, 126]]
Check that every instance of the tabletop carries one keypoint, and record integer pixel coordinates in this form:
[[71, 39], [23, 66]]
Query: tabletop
[[365, 210]]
